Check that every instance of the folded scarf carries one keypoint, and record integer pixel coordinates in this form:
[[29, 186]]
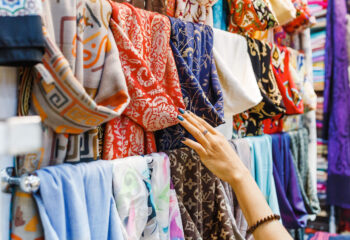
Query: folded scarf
[[236, 75], [21, 37], [290, 200], [201, 196], [76, 202], [250, 122], [192, 45], [142, 38]]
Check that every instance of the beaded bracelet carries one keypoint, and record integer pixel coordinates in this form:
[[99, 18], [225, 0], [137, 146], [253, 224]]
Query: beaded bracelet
[[262, 221]]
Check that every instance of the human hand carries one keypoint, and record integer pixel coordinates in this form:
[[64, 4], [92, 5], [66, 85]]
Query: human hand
[[212, 147]]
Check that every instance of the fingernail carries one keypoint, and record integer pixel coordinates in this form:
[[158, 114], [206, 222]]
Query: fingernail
[[181, 111], [180, 117]]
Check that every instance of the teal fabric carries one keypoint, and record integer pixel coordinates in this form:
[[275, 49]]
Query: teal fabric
[[220, 10], [262, 168]]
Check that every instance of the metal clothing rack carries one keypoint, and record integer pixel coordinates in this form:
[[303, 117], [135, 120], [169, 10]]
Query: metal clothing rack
[[19, 135]]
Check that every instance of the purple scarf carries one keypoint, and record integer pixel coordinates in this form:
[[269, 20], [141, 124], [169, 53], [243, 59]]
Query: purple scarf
[[337, 105]]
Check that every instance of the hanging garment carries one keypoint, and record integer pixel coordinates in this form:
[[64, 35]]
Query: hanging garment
[[262, 168], [87, 44], [236, 75], [26, 223], [249, 123], [220, 9], [141, 184], [150, 5], [201, 197], [290, 200], [303, 19], [176, 225], [337, 106], [290, 94], [124, 137], [142, 38], [21, 37], [242, 147], [192, 45], [249, 16], [76, 202], [197, 11], [299, 148], [284, 10]]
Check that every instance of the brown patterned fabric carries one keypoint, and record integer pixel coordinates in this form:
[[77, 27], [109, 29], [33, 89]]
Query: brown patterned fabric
[[201, 195], [150, 5]]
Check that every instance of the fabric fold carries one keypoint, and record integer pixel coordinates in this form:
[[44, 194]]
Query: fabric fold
[[290, 200], [68, 204], [236, 75], [142, 38], [201, 197], [192, 45]]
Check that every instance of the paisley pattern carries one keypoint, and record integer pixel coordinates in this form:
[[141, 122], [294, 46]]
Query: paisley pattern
[[124, 138], [192, 45], [142, 38], [303, 19], [250, 123], [201, 197], [249, 16]]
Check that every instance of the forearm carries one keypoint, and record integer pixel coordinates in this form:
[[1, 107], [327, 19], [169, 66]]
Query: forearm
[[255, 207]]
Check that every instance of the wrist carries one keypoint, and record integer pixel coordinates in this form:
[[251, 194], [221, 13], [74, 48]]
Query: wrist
[[239, 175]]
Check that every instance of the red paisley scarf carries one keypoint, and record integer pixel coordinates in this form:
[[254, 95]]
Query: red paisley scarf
[[142, 39]]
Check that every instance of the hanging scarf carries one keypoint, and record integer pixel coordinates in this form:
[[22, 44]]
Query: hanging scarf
[[239, 86], [197, 11], [262, 168], [280, 63], [299, 148], [290, 200], [204, 210], [303, 19], [249, 123], [337, 105], [141, 184], [76, 202], [249, 16], [142, 38], [192, 45]]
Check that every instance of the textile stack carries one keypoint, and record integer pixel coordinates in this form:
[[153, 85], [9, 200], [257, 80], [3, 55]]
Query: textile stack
[[160, 119], [318, 42]]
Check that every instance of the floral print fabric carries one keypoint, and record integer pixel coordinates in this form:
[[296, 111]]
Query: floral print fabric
[[143, 197], [142, 38], [192, 45], [248, 16], [250, 123]]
